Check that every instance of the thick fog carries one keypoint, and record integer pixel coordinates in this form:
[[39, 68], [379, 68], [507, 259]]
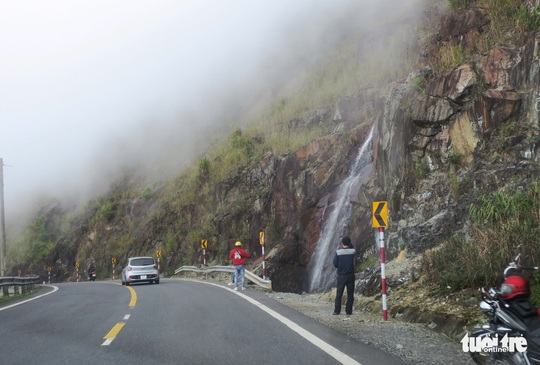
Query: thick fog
[[90, 87]]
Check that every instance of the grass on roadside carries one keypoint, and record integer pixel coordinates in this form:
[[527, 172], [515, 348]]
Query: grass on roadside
[[499, 223]]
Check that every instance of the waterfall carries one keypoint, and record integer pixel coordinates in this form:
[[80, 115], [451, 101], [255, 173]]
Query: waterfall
[[336, 218]]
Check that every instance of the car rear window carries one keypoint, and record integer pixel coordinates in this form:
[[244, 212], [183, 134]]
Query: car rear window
[[142, 262]]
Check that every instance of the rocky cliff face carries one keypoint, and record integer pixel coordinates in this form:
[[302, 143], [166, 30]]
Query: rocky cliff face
[[471, 129], [297, 187], [439, 138]]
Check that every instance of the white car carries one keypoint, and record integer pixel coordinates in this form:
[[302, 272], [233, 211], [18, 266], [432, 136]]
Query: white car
[[140, 269]]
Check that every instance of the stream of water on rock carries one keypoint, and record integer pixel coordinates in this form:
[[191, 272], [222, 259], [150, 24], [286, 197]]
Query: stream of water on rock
[[336, 218]]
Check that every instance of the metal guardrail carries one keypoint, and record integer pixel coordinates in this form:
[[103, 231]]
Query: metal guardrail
[[24, 284], [267, 284]]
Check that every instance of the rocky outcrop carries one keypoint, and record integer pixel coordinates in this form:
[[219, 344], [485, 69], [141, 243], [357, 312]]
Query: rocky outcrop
[[436, 136], [450, 135], [428, 140]]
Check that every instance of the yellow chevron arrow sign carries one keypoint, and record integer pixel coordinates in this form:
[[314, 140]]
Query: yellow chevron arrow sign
[[380, 214]]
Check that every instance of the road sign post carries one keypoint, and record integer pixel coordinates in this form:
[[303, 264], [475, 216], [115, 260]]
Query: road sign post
[[77, 267], [158, 255], [204, 246], [380, 220], [3, 266], [49, 273], [261, 240], [113, 266], [383, 274]]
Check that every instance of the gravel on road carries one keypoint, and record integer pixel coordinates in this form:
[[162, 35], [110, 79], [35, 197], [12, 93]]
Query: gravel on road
[[414, 343]]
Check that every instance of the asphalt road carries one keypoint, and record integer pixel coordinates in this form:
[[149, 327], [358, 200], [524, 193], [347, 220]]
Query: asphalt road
[[175, 322]]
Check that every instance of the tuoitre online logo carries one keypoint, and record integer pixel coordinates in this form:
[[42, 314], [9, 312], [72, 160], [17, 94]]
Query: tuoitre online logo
[[492, 344]]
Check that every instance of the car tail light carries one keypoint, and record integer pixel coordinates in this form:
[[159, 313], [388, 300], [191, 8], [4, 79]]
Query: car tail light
[[129, 268], [155, 267]]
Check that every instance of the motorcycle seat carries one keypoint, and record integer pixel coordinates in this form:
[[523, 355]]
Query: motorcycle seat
[[523, 308]]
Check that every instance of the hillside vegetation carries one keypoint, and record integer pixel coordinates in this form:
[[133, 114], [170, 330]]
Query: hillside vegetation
[[208, 200], [499, 220], [132, 206]]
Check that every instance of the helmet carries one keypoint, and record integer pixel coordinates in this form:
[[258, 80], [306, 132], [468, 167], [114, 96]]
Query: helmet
[[238, 243], [514, 287]]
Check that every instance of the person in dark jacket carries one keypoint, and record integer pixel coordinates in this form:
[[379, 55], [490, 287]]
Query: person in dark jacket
[[344, 262], [91, 269]]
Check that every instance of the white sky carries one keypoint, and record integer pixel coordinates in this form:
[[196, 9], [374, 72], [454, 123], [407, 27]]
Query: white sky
[[82, 81]]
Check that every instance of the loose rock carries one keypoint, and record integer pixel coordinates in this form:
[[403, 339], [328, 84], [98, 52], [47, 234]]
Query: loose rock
[[414, 343]]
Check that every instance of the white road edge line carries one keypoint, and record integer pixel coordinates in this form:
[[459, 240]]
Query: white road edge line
[[329, 349], [110, 340], [107, 342], [55, 288]]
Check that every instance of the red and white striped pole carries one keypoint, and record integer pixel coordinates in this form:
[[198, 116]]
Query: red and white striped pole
[[383, 274], [261, 239], [263, 264]]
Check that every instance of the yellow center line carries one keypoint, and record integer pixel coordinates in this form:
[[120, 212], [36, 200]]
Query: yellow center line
[[109, 337], [133, 300], [114, 331]]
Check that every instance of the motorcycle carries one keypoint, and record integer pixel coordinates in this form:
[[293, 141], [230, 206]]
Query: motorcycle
[[92, 276], [512, 335]]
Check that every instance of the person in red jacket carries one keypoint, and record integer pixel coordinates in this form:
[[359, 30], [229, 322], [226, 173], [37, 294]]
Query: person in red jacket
[[238, 254]]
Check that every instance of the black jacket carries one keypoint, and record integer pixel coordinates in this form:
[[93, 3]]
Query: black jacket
[[344, 260]]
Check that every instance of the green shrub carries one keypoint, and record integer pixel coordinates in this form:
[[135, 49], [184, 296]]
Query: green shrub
[[419, 83], [147, 193], [421, 169], [529, 19], [369, 261], [455, 158], [511, 20], [499, 223], [449, 57], [241, 144], [41, 251], [106, 211], [38, 241], [453, 181], [535, 289], [459, 4], [204, 169], [118, 247]]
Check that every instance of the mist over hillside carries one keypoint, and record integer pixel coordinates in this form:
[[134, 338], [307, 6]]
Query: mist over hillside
[[150, 87]]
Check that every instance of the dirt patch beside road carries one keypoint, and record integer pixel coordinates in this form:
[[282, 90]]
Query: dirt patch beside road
[[415, 343]]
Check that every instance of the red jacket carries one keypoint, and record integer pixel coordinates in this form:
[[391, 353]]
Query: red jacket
[[237, 255]]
